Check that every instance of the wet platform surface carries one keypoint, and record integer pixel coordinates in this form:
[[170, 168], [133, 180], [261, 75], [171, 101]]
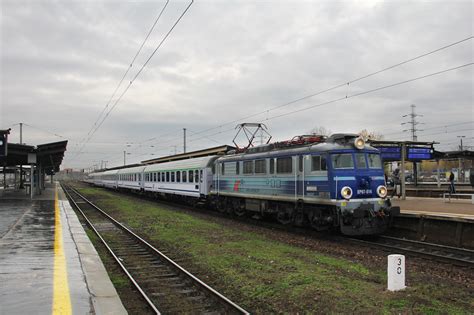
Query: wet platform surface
[[29, 270]]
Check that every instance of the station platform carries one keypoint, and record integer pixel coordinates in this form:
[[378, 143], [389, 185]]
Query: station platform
[[47, 263], [456, 208]]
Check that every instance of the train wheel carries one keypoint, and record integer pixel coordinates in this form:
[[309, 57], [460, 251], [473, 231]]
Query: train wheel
[[315, 220], [240, 212], [285, 216], [221, 206]]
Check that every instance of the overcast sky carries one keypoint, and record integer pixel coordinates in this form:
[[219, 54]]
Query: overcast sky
[[227, 60]]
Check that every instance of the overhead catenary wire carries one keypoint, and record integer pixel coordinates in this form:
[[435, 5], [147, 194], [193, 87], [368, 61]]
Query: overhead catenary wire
[[314, 94], [430, 128], [98, 124], [143, 66], [347, 97], [330, 88], [128, 68], [342, 84]]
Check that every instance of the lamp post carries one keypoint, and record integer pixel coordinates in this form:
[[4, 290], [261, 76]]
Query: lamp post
[[461, 167]]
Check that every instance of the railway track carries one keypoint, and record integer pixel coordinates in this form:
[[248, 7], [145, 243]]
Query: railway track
[[164, 285], [453, 255], [446, 254]]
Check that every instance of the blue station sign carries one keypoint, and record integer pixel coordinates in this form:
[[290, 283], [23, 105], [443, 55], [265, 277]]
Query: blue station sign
[[419, 153], [390, 153]]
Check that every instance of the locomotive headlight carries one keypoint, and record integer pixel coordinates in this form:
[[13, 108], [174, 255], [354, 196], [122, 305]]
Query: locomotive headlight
[[346, 192], [382, 191], [359, 143]]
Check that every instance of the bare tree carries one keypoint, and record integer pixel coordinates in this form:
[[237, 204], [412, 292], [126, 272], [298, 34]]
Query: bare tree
[[321, 130], [370, 135]]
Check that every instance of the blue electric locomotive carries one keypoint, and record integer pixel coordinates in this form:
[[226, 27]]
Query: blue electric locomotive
[[334, 183]]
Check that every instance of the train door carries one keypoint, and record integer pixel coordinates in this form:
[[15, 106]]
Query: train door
[[299, 176], [275, 182], [197, 180]]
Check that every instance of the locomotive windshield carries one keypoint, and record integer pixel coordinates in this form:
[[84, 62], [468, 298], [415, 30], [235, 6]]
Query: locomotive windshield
[[342, 161], [347, 161], [374, 160], [360, 160]]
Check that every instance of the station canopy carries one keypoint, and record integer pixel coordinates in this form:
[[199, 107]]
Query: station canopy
[[49, 155]]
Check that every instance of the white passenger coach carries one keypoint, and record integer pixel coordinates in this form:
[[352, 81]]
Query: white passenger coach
[[190, 177]]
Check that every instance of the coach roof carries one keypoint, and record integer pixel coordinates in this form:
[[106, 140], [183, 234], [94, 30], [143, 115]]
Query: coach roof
[[195, 163]]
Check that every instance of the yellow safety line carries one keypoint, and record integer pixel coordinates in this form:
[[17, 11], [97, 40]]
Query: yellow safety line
[[61, 298]]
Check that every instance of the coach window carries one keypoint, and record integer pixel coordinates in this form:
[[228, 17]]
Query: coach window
[[196, 176], [300, 163], [237, 168], [222, 168], [248, 167], [374, 161], [190, 173], [360, 160], [260, 167], [168, 177], [178, 176], [163, 177], [185, 179], [315, 163], [342, 161], [172, 177], [284, 165]]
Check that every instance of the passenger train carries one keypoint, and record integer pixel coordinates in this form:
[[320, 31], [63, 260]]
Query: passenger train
[[334, 183]]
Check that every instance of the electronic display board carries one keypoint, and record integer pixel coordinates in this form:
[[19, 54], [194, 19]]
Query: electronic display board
[[419, 153], [390, 153]]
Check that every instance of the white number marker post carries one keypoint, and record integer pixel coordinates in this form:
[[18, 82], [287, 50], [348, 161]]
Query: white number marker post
[[396, 272]]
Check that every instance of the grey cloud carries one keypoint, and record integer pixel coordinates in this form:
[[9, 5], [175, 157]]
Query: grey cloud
[[60, 62]]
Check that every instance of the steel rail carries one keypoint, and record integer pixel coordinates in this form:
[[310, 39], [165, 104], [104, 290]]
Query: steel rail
[[299, 231], [130, 277], [423, 248], [196, 280]]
